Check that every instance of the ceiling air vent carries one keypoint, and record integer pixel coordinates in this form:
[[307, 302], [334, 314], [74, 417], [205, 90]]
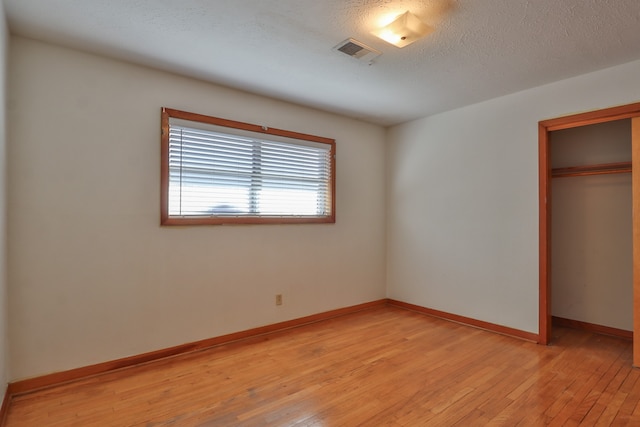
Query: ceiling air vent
[[357, 50]]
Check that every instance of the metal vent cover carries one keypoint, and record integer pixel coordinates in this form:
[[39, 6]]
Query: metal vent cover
[[357, 50]]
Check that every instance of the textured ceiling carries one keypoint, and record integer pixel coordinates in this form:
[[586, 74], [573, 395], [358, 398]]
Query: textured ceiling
[[480, 49]]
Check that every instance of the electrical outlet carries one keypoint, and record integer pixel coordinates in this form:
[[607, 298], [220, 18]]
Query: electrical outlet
[[279, 299]]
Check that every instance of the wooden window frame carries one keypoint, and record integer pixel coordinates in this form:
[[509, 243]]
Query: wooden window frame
[[166, 219]]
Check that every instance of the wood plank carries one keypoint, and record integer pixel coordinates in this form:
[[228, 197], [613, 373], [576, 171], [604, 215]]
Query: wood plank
[[631, 401], [592, 327], [467, 321], [384, 366], [635, 179], [593, 117], [587, 170], [544, 235]]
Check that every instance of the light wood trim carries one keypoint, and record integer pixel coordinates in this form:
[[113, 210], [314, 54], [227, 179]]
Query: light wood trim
[[57, 378], [599, 169], [31, 384], [544, 127], [164, 165], [247, 220], [592, 117], [592, 327], [492, 327], [165, 219], [6, 402], [635, 179], [194, 117], [544, 215]]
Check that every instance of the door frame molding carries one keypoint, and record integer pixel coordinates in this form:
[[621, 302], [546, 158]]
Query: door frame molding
[[629, 111]]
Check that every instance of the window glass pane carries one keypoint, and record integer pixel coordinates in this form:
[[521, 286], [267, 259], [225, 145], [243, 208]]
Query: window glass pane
[[218, 174]]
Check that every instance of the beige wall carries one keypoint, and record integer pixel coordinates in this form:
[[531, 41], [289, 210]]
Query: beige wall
[[591, 233], [93, 277], [463, 198], [4, 365]]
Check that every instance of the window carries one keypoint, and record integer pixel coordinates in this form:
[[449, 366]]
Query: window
[[218, 171]]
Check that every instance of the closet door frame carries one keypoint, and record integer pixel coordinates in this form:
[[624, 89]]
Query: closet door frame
[[630, 111]]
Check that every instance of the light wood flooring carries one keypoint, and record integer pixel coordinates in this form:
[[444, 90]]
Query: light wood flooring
[[380, 367]]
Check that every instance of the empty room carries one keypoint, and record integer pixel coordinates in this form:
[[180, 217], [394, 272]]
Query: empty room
[[319, 213]]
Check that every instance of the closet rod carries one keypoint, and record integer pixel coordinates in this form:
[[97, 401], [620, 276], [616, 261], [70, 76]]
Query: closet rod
[[601, 169]]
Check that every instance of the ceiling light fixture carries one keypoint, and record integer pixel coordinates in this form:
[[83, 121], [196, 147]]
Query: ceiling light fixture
[[404, 30]]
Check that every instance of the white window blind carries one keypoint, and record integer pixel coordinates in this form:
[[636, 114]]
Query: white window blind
[[237, 174]]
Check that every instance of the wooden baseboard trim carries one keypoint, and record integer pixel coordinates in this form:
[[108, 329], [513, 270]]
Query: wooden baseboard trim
[[492, 327], [591, 327], [44, 381], [5, 406], [37, 383]]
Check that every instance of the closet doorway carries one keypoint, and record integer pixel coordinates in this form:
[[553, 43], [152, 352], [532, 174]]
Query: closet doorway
[[628, 115]]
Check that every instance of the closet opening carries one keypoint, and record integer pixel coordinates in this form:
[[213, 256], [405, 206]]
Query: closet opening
[[591, 228], [589, 223]]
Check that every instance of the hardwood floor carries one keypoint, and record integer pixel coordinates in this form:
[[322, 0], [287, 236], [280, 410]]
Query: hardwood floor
[[380, 367]]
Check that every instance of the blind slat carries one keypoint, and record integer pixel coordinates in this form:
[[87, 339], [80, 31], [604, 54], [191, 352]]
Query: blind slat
[[212, 173]]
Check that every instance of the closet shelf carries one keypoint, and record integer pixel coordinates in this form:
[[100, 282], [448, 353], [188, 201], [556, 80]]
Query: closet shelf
[[601, 169]]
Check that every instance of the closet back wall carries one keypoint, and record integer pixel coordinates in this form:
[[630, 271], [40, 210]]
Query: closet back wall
[[591, 236]]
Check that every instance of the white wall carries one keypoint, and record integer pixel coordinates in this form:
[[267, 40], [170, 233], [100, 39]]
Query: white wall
[[93, 277], [591, 231], [4, 352], [463, 198]]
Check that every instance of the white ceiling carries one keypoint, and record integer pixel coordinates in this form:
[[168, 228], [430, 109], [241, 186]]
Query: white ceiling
[[480, 49]]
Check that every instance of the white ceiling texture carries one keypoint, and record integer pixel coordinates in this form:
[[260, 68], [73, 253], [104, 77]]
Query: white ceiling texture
[[480, 49]]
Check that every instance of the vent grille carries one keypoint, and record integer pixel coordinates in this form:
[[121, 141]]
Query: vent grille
[[358, 50]]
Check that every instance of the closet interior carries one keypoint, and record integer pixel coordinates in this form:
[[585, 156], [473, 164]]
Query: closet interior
[[592, 227]]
